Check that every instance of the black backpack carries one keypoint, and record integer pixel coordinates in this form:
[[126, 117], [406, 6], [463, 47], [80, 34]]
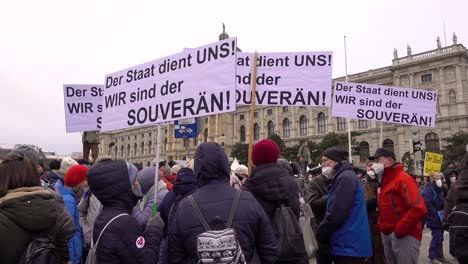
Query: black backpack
[[289, 236], [41, 249], [458, 230]]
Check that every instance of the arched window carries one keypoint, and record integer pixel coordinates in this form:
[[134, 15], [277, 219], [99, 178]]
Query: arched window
[[363, 123], [340, 123], [388, 144], [364, 152], [165, 144], [286, 128], [195, 141], [135, 149], [205, 135], [256, 131], [142, 148], [150, 147], [121, 151], [242, 134], [128, 150], [116, 150], [271, 128], [452, 97], [432, 142], [303, 125], [321, 123]]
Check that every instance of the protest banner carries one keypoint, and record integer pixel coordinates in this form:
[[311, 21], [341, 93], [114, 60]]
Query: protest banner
[[285, 79], [83, 107], [432, 163], [198, 82], [406, 106]]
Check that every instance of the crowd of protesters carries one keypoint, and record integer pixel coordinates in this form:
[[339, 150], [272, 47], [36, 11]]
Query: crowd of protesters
[[119, 212]]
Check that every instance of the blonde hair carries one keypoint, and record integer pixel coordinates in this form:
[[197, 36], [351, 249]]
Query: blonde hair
[[435, 175]]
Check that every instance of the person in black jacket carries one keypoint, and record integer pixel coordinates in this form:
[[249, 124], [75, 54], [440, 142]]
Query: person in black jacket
[[185, 184], [114, 184], [270, 183], [317, 198], [214, 197]]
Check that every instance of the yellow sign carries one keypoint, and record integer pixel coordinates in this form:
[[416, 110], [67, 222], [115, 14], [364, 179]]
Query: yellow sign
[[432, 163]]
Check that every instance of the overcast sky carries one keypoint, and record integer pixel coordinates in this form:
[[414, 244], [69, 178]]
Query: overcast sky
[[44, 44]]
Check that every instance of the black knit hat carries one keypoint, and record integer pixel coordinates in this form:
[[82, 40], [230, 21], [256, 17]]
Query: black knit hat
[[336, 153]]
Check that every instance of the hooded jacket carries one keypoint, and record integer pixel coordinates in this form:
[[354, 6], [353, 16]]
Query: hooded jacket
[[272, 186], [144, 208], [185, 184], [110, 183], [28, 210], [215, 197], [401, 206]]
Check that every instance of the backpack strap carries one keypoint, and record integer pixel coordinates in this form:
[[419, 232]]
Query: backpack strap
[[233, 208], [102, 231], [198, 213], [172, 206]]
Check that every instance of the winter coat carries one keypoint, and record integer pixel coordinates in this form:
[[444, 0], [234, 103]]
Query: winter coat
[[28, 210], [449, 204], [434, 199], [215, 197], [317, 192], [272, 186], [345, 226], [400, 203], [89, 208], [143, 210], [76, 243], [185, 185], [110, 183]]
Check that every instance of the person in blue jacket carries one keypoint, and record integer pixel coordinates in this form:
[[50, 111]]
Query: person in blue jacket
[[434, 199], [75, 183], [345, 226]]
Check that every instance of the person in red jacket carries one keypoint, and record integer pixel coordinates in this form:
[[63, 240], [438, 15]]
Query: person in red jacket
[[401, 209]]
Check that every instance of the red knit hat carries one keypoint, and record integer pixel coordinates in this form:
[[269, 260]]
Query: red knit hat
[[76, 175], [265, 151]]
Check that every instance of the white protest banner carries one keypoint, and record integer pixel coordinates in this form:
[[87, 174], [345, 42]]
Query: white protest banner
[[286, 79], [385, 103], [198, 82], [83, 107]]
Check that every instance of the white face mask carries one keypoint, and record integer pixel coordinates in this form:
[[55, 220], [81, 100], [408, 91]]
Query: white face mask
[[327, 171], [453, 179], [378, 168], [439, 183], [371, 174]]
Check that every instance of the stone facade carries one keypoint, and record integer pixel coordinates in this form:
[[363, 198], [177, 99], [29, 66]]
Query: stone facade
[[444, 70]]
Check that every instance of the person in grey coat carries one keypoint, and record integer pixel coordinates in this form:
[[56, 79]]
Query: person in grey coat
[[144, 208]]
